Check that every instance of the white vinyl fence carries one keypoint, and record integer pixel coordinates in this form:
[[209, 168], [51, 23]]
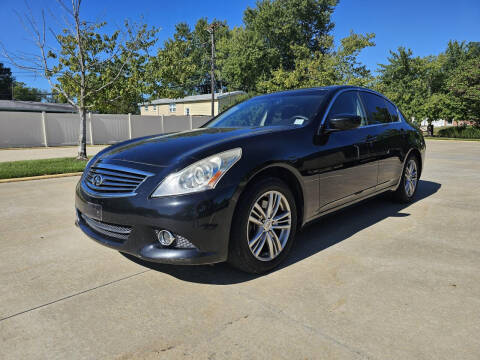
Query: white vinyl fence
[[28, 129]]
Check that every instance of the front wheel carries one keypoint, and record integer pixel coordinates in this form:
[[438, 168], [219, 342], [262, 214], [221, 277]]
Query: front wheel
[[409, 181], [263, 227]]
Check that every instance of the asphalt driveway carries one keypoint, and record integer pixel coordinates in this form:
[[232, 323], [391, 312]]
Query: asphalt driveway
[[377, 281]]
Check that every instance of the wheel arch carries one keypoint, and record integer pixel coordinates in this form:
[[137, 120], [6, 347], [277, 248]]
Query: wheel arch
[[288, 175], [415, 152]]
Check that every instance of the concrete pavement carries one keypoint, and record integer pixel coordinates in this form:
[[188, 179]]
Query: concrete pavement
[[376, 281], [45, 153]]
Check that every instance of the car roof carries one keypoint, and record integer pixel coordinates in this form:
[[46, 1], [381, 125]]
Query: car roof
[[332, 89]]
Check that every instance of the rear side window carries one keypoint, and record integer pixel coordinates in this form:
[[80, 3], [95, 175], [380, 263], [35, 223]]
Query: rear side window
[[377, 112], [348, 103], [392, 110]]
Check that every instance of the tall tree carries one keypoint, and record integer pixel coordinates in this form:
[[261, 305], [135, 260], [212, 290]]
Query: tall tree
[[182, 66], [403, 81], [87, 63], [277, 38], [336, 66], [464, 90], [285, 23], [6, 83]]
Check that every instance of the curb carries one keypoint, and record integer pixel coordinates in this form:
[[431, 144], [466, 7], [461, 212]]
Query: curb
[[451, 139], [41, 177]]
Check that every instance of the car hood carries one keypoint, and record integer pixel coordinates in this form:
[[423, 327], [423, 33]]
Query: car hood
[[163, 150]]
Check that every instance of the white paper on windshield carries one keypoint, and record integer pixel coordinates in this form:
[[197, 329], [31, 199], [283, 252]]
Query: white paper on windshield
[[298, 122]]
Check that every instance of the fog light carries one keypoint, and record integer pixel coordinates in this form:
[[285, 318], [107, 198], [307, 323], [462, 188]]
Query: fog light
[[165, 237]]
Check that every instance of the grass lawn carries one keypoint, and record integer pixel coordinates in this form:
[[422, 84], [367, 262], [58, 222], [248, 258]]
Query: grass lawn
[[17, 169]]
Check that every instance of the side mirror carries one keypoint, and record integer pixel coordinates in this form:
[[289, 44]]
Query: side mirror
[[344, 122]]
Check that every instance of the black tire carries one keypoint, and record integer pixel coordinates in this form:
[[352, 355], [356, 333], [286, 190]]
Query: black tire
[[401, 195], [240, 255]]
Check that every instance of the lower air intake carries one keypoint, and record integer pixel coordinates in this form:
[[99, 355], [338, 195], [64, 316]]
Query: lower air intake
[[120, 232]]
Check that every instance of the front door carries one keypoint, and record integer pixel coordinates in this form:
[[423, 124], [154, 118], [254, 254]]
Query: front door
[[348, 168]]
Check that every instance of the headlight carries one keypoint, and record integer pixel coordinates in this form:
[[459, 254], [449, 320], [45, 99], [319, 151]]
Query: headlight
[[202, 175]]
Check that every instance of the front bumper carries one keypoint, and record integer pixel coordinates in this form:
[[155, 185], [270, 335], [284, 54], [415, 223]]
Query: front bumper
[[204, 219]]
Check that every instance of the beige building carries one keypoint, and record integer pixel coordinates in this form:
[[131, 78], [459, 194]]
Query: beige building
[[190, 105]]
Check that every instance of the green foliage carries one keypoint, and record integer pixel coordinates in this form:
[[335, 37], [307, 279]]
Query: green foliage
[[244, 58], [282, 24], [463, 132], [182, 66], [446, 86], [25, 93], [6, 80], [464, 90], [109, 59], [338, 66]]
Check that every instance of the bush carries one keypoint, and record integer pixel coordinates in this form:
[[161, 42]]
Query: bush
[[463, 132]]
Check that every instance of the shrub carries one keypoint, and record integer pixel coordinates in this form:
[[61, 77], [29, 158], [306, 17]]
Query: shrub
[[463, 132]]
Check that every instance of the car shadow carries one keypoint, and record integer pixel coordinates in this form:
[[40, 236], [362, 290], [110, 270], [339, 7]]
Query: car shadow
[[315, 237]]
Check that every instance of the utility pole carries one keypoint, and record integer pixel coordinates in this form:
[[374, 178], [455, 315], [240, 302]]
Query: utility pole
[[211, 30]]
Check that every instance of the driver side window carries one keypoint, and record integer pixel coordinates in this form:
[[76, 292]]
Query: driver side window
[[348, 103]]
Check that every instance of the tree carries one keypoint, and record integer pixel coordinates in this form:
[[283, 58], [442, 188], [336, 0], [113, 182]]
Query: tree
[[334, 66], [87, 64], [285, 23], [443, 86], [464, 90], [182, 66], [23, 92], [278, 39], [403, 81], [6, 81], [244, 58]]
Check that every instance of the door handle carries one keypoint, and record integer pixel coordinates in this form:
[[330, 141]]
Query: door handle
[[371, 138]]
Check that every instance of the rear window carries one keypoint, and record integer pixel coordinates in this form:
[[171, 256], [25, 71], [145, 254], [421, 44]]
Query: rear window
[[376, 107], [392, 110]]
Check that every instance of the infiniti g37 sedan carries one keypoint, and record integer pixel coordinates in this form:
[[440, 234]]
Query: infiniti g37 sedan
[[239, 188]]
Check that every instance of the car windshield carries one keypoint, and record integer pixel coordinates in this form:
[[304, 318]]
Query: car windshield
[[295, 109]]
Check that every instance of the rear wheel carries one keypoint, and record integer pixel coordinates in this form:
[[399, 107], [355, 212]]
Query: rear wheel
[[264, 226], [408, 184]]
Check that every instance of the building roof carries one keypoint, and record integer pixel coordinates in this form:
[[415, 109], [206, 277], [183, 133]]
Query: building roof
[[34, 106], [193, 98]]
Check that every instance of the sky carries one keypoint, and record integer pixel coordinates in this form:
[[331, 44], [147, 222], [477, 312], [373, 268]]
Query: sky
[[425, 26]]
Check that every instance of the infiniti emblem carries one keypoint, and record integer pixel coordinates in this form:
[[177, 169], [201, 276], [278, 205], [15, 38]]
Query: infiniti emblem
[[97, 180]]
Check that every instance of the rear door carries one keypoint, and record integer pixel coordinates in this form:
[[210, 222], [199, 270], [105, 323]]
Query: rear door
[[386, 137], [348, 168]]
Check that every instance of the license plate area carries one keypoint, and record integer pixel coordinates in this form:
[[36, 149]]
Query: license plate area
[[93, 211]]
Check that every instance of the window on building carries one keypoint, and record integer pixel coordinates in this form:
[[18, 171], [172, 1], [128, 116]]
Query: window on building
[[187, 111], [154, 107], [146, 107], [173, 107]]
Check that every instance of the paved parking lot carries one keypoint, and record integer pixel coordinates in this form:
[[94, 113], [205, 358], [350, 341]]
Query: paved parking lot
[[377, 281]]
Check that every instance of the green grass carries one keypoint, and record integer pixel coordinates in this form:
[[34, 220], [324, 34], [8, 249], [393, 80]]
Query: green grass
[[460, 132], [17, 169]]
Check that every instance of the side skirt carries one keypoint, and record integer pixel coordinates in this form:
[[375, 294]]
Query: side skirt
[[360, 199]]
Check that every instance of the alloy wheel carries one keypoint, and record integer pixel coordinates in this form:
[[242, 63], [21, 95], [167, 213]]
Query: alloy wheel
[[269, 225], [411, 177]]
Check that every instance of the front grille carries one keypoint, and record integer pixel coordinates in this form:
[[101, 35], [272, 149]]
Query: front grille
[[113, 180], [115, 231]]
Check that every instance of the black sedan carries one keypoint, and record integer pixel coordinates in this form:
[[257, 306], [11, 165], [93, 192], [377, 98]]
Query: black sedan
[[240, 187]]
